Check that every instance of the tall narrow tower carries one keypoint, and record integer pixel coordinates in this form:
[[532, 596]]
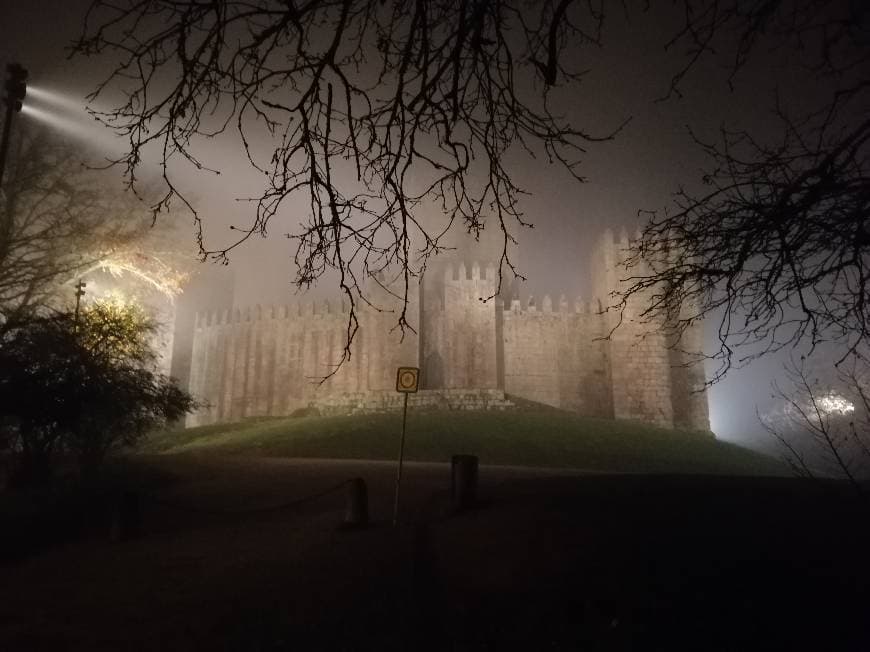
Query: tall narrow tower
[[654, 378], [639, 359], [461, 344]]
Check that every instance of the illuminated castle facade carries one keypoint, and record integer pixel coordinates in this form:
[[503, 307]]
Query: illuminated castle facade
[[473, 354]]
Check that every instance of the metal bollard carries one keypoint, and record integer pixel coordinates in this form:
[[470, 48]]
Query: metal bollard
[[127, 519], [463, 481], [356, 513]]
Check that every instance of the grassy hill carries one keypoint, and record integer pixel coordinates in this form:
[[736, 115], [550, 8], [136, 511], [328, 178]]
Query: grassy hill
[[535, 436]]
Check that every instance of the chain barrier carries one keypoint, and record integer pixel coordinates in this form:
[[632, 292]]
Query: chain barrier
[[241, 512]]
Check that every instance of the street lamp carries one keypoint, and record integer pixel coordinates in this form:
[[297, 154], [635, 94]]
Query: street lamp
[[80, 292], [16, 89]]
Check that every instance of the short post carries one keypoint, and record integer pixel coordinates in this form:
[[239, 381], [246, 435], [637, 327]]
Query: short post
[[463, 473], [356, 513], [127, 519]]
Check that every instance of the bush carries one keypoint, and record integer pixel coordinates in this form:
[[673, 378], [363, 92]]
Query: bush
[[84, 386]]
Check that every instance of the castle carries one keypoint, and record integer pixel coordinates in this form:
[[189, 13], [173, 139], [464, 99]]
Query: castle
[[473, 354]]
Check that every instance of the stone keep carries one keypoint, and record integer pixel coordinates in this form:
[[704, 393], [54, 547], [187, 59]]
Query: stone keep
[[471, 351]]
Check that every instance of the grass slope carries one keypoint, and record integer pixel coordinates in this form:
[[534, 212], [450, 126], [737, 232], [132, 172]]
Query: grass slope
[[532, 437]]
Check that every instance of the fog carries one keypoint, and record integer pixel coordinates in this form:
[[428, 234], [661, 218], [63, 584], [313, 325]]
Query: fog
[[650, 158]]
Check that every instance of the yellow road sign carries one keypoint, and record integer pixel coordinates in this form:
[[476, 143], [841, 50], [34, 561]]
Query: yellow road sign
[[407, 379]]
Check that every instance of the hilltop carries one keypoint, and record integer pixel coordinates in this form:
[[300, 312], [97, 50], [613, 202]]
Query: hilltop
[[535, 436]]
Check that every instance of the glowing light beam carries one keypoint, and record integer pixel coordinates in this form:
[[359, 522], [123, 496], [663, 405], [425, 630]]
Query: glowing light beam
[[56, 99], [81, 128], [53, 120]]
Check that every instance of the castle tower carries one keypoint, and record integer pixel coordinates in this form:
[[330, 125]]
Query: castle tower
[[654, 378], [459, 345], [639, 358], [461, 337], [688, 381]]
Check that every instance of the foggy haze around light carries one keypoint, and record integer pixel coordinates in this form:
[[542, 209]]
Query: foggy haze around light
[[650, 159]]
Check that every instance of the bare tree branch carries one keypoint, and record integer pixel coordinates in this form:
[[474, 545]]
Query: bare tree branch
[[374, 112], [775, 244], [57, 219], [824, 419]]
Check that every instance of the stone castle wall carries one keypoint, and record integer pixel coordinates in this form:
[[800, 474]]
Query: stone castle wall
[[272, 361], [555, 354]]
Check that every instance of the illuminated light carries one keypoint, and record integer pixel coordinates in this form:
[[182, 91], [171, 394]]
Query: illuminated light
[[60, 100], [169, 288], [835, 404], [82, 128], [117, 299], [60, 123], [165, 280]]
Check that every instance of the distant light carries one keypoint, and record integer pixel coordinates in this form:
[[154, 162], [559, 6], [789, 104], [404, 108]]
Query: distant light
[[835, 404]]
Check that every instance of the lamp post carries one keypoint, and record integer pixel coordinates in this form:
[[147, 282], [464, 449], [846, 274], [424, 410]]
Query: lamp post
[[16, 89], [80, 292]]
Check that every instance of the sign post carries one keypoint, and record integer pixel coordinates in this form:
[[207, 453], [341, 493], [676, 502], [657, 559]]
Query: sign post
[[407, 379]]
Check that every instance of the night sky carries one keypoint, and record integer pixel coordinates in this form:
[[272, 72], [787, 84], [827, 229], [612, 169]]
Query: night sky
[[640, 170]]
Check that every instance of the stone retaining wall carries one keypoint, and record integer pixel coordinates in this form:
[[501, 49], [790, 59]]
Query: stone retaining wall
[[387, 401]]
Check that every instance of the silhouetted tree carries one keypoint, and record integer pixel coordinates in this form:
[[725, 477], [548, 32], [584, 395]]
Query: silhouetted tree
[[86, 387], [51, 215], [372, 109]]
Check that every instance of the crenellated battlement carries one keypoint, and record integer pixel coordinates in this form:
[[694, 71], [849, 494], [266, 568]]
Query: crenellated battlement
[[303, 311], [619, 241], [460, 273], [547, 307], [268, 360]]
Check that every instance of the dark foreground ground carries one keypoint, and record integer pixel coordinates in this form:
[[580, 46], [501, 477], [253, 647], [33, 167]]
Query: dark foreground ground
[[230, 560]]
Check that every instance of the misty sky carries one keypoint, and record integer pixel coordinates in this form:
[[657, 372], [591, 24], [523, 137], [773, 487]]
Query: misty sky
[[639, 170]]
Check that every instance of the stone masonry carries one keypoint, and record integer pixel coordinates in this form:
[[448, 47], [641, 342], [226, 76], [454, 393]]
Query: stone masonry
[[472, 353]]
